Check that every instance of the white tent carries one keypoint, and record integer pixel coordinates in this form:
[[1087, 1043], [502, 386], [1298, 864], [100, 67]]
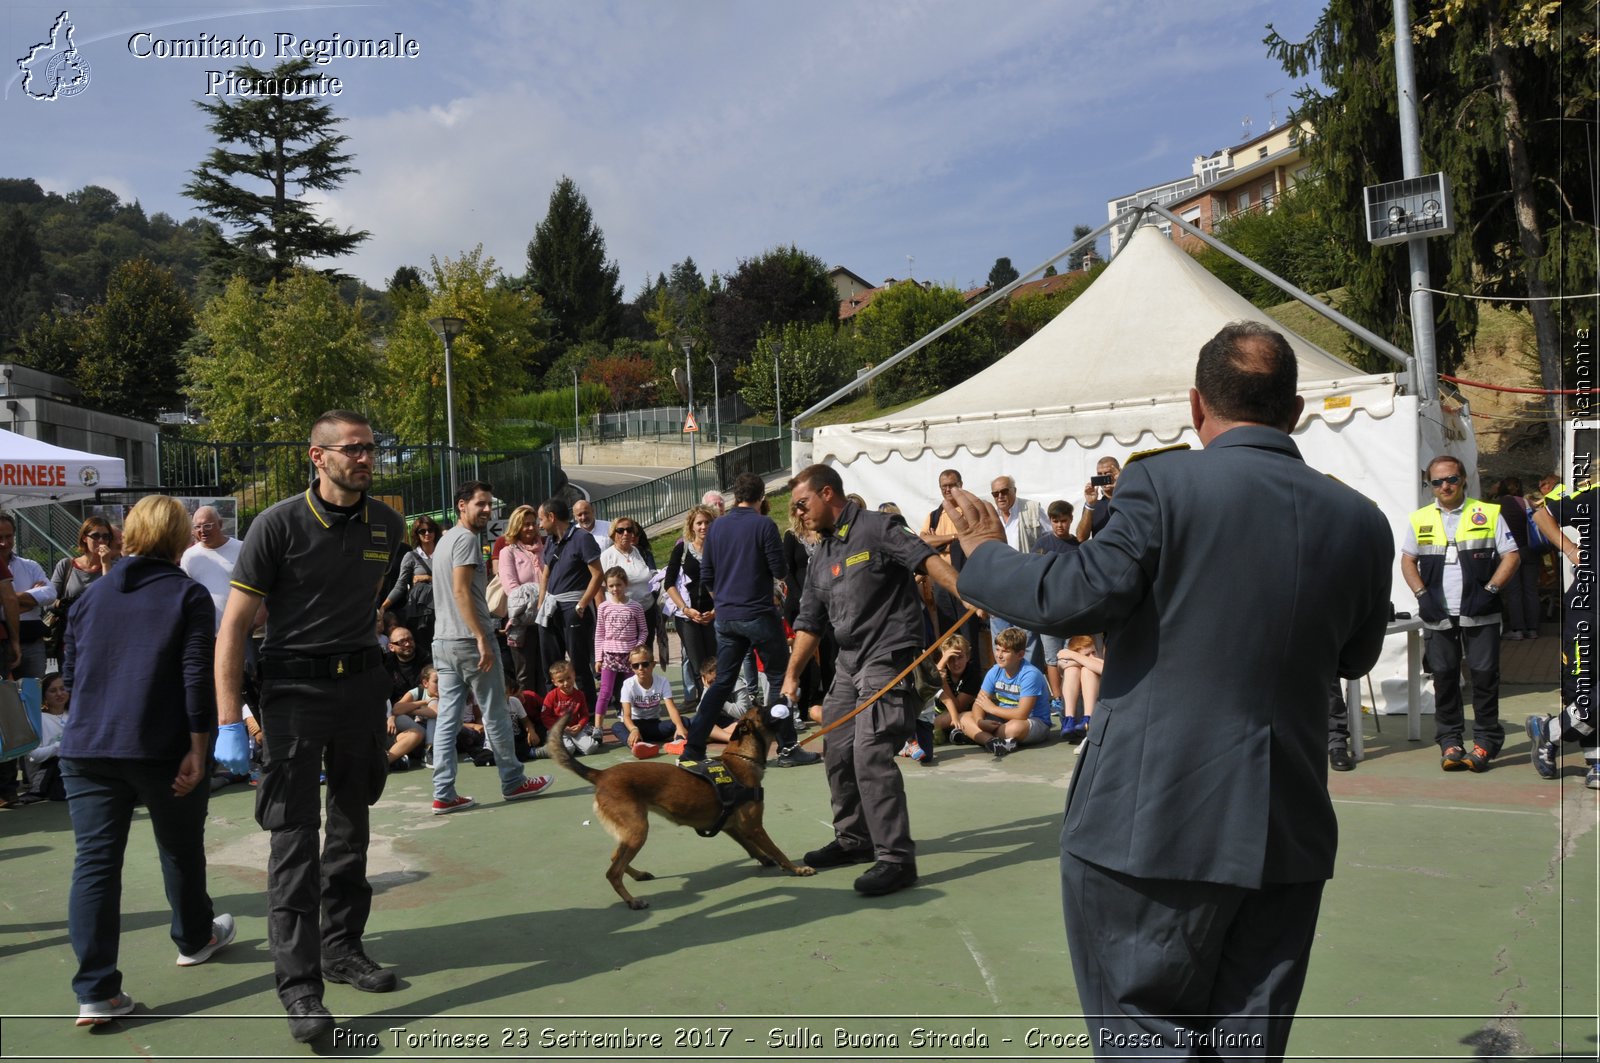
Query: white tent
[[1110, 375], [32, 472]]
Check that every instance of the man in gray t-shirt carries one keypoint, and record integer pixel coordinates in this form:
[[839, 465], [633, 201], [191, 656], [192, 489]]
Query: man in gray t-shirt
[[467, 655]]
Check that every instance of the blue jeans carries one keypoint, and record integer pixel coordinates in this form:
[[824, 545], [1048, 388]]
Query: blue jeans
[[101, 795], [457, 662], [735, 639]]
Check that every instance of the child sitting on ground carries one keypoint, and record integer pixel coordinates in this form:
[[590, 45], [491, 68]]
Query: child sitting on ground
[[1080, 673], [739, 702], [565, 697], [1013, 708], [644, 695]]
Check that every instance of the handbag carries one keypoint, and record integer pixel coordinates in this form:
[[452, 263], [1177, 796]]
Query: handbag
[[19, 726], [496, 597]]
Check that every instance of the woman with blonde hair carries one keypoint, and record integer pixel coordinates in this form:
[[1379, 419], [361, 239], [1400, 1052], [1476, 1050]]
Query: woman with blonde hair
[[520, 567], [137, 663], [693, 611]]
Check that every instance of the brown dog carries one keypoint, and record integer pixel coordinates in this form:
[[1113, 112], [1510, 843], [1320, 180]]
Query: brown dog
[[625, 794]]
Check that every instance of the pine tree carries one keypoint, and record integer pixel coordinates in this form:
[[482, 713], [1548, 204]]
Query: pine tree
[[567, 267], [284, 146], [1002, 273]]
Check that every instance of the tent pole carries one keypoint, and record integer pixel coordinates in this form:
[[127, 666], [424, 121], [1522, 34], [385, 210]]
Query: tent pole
[[991, 298], [1381, 345]]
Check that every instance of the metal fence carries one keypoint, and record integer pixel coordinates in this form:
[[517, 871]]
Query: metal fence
[[665, 423], [670, 496], [256, 475]]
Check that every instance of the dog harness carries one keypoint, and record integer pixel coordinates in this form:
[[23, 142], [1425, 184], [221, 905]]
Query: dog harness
[[731, 793]]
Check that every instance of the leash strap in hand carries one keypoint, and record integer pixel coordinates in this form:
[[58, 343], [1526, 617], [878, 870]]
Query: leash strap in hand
[[971, 611]]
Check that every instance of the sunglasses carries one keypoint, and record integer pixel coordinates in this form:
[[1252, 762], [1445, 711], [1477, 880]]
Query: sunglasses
[[98, 537], [207, 526], [1002, 494], [1441, 481], [352, 450], [427, 531], [624, 531], [640, 665]]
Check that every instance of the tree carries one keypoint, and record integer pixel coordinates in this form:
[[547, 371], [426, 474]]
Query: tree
[[56, 342], [132, 362], [776, 287], [489, 361], [270, 362], [628, 378], [1296, 240], [286, 149], [1028, 314], [1002, 273], [904, 314], [1502, 104], [813, 361], [1075, 260], [23, 277], [567, 267]]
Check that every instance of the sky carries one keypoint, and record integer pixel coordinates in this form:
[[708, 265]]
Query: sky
[[900, 138]]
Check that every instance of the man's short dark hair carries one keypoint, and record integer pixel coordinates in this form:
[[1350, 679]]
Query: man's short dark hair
[[466, 491], [816, 477], [1461, 467], [338, 417], [6, 518], [558, 509], [748, 488], [1247, 372], [1060, 509], [951, 472]]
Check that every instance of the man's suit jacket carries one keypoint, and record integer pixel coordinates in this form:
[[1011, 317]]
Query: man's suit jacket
[[1232, 583]]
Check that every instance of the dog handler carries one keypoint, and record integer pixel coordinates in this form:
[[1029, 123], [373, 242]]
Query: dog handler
[[861, 581], [321, 560]]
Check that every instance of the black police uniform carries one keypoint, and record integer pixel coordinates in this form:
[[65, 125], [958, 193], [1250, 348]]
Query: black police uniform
[[322, 570], [862, 583]]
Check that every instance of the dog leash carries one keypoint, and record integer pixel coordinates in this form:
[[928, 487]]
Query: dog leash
[[971, 611]]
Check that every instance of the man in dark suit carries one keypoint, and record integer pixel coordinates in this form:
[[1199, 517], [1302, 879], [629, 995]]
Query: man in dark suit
[[1233, 584]]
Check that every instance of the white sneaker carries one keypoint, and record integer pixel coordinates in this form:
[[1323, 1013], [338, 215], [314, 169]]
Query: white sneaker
[[100, 1012], [222, 934]]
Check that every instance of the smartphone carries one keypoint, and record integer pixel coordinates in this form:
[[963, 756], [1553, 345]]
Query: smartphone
[[1102, 481]]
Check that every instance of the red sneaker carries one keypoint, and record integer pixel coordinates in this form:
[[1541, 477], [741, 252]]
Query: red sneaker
[[460, 804], [530, 788], [646, 750]]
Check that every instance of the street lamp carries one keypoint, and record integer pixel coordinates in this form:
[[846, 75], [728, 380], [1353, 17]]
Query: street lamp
[[447, 329], [777, 386], [577, 425], [716, 401], [687, 342]]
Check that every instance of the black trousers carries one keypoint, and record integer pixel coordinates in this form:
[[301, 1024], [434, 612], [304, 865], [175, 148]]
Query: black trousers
[[317, 905], [1186, 970], [1443, 652], [1338, 718]]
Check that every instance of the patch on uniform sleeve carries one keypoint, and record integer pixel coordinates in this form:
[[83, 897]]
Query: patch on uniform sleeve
[[1142, 454], [856, 559], [380, 535], [376, 555]]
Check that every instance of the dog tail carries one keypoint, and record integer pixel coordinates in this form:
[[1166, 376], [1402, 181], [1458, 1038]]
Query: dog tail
[[557, 749]]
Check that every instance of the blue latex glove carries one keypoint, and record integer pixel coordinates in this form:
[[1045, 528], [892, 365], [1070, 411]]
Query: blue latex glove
[[233, 748]]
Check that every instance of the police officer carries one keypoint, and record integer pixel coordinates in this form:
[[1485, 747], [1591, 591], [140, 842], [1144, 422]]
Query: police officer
[[1457, 555], [321, 561], [1580, 616], [861, 582]]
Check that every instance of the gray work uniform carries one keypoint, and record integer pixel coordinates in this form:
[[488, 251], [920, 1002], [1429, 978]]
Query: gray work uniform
[[862, 585], [322, 572]]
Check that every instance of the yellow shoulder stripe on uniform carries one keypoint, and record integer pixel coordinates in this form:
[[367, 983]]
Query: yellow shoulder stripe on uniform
[[1142, 454], [247, 588], [314, 512]]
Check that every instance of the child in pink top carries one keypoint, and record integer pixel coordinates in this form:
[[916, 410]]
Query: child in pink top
[[620, 628]]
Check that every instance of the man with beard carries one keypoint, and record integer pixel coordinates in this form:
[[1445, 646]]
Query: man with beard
[[467, 655], [320, 562]]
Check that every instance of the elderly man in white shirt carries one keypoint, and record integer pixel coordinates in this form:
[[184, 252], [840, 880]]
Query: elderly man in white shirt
[[35, 594]]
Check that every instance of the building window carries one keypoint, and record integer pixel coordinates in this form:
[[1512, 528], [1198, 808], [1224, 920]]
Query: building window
[[1261, 152], [1244, 201]]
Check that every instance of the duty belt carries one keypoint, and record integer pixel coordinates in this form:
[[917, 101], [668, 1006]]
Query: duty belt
[[339, 666]]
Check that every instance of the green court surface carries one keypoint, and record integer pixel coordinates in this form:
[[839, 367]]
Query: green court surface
[[1461, 924]]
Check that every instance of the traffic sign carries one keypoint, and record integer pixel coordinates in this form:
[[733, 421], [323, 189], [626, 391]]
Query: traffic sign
[[690, 424]]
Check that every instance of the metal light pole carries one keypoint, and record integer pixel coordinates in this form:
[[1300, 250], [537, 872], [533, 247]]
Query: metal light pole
[[716, 400], [777, 386], [577, 425], [687, 342], [447, 329], [1422, 337]]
